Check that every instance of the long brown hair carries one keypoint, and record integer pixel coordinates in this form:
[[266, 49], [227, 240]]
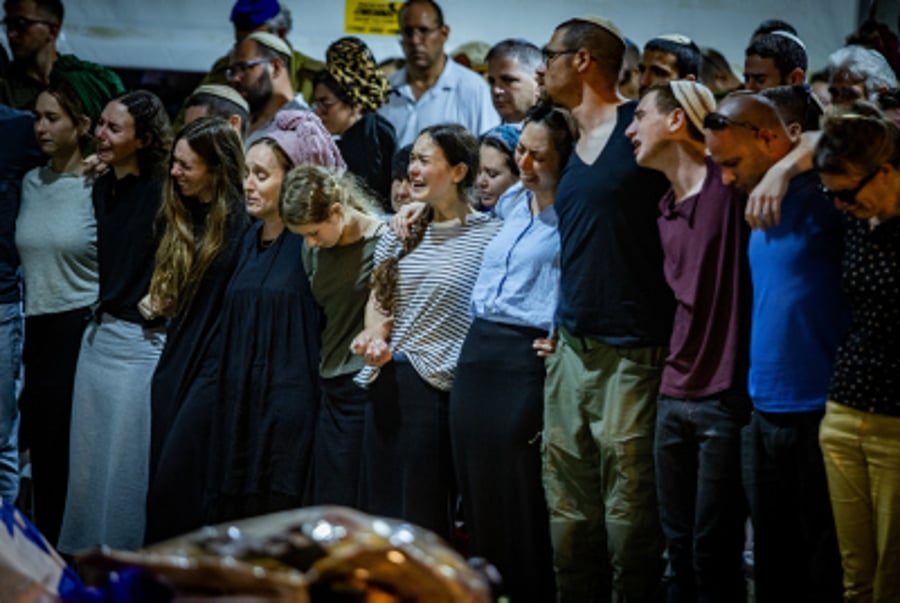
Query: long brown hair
[[186, 249]]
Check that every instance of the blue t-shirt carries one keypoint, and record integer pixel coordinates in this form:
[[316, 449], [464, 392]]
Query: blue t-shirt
[[800, 313]]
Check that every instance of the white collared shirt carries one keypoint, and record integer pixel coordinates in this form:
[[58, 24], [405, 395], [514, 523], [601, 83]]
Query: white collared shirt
[[458, 96]]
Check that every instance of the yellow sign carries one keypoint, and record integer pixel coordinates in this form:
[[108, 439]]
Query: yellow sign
[[374, 17]]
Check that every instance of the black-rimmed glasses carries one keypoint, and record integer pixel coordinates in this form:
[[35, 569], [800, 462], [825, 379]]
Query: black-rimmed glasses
[[548, 55], [847, 196], [236, 69], [22, 23], [717, 121]]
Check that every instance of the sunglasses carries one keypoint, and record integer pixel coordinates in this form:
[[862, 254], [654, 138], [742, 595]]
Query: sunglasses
[[847, 196], [717, 121], [20, 24]]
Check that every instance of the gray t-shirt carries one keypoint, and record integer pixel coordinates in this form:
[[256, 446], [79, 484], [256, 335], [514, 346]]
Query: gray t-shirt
[[56, 235]]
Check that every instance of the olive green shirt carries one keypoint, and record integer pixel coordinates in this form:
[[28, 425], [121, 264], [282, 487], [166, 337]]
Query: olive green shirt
[[339, 278]]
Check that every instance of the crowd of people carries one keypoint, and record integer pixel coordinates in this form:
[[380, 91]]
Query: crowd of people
[[624, 303]]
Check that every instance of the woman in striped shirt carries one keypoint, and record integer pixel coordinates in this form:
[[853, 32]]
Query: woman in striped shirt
[[416, 322]]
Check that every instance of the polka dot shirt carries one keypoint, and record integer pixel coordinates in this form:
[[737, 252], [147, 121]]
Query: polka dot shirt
[[867, 369]]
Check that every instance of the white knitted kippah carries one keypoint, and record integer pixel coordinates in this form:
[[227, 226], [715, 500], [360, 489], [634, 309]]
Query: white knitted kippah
[[789, 36], [677, 38], [695, 99]]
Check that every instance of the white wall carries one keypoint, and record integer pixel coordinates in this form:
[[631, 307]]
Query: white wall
[[189, 34]]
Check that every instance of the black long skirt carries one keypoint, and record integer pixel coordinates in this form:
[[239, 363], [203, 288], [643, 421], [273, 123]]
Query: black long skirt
[[496, 417]]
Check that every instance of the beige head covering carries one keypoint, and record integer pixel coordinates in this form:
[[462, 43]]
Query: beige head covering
[[607, 25], [274, 42], [695, 99], [222, 91]]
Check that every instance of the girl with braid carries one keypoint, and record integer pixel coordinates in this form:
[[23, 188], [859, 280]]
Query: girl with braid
[[416, 321]]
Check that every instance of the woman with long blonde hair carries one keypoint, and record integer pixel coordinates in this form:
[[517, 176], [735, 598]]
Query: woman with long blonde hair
[[204, 222]]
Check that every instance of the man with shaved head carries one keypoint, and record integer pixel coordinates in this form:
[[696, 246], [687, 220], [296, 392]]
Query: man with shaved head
[[614, 317], [799, 317]]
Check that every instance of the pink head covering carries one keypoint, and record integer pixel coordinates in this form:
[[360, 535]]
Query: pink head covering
[[303, 138]]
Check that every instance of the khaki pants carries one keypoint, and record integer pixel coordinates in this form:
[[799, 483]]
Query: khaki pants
[[599, 417], [862, 462]]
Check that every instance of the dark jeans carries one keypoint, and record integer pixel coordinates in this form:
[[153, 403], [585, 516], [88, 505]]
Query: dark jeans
[[701, 504], [796, 556]]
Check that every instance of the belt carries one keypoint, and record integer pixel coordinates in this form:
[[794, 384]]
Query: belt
[[582, 344]]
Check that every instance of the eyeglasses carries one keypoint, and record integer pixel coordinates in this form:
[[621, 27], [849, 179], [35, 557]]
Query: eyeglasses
[[409, 33], [717, 121], [548, 55], [236, 69], [324, 103], [847, 196], [22, 23]]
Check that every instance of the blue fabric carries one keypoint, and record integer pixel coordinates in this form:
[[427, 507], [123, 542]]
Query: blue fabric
[[247, 15], [18, 154], [10, 359], [519, 278], [800, 314]]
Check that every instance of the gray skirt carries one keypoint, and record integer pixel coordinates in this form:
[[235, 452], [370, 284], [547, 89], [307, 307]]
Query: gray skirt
[[110, 436]]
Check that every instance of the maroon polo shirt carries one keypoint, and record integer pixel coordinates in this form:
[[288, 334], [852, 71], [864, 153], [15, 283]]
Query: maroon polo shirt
[[704, 240]]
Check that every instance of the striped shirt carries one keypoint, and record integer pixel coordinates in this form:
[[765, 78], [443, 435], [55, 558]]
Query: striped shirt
[[431, 314]]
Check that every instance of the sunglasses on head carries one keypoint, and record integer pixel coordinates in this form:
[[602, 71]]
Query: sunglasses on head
[[847, 196], [717, 121]]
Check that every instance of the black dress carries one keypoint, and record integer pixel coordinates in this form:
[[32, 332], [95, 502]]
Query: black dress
[[183, 383], [261, 443]]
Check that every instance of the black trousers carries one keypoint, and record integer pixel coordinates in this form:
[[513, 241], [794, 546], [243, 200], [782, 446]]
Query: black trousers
[[796, 555], [50, 354], [337, 445], [496, 418], [407, 469]]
